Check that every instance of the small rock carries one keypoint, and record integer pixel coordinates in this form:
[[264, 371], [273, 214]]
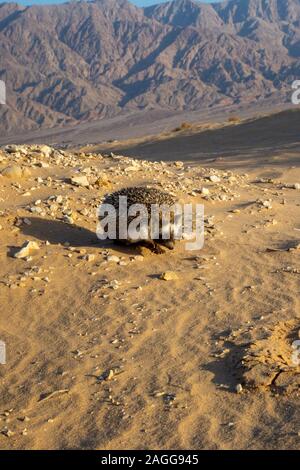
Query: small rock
[[15, 149], [169, 276], [113, 259], [204, 191], [239, 388], [89, 258], [215, 179], [26, 250], [80, 181], [267, 204], [68, 219], [24, 419], [168, 398], [46, 150], [43, 165], [13, 172], [107, 375], [291, 186], [36, 209], [102, 182], [132, 168], [232, 179], [7, 432]]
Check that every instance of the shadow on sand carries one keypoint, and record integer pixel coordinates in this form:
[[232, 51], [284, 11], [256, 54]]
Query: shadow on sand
[[59, 232], [56, 232]]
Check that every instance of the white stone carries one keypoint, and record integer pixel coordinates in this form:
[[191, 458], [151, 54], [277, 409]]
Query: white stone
[[80, 181], [26, 249], [113, 259], [215, 179], [205, 191]]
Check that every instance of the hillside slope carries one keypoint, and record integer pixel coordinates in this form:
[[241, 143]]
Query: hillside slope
[[76, 62]]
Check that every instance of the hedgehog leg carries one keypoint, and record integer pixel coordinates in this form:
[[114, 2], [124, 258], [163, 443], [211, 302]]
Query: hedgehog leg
[[168, 244], [158, 249], [153, 246]]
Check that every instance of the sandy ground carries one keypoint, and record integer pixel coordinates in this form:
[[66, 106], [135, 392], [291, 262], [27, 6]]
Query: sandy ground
[[103, 354]]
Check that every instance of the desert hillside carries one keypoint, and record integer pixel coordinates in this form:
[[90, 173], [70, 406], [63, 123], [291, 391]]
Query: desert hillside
[[83, 61], [103, 352], [256, 142]]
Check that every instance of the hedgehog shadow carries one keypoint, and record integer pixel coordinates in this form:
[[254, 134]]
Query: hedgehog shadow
[[57, 232]]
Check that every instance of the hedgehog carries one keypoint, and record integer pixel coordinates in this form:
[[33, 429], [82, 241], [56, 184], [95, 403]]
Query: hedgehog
[[147, 197]]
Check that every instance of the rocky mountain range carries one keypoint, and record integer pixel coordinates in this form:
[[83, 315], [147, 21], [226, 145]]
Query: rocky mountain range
[[83, 61]]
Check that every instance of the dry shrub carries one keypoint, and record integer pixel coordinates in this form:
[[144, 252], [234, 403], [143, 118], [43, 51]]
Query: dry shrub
[[234, 119], [183, 126]]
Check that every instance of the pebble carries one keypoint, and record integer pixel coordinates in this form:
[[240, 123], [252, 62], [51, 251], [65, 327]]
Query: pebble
[[102, 182], [113, 259], [68, 219], [24, 419], [215, 179], [36, 209], [45, 150], [26, 249], [89, 258], [15, 149], [291, 186], [267, 204], [80, 181], [7, 432], [169, 276], [205, 191], [13, 171]]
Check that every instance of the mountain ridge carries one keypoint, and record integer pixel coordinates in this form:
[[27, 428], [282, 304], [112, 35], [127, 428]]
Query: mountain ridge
[[90, 60]]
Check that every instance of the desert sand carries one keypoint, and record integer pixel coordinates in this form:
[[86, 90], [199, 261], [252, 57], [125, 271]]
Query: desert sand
[[104, 354]]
